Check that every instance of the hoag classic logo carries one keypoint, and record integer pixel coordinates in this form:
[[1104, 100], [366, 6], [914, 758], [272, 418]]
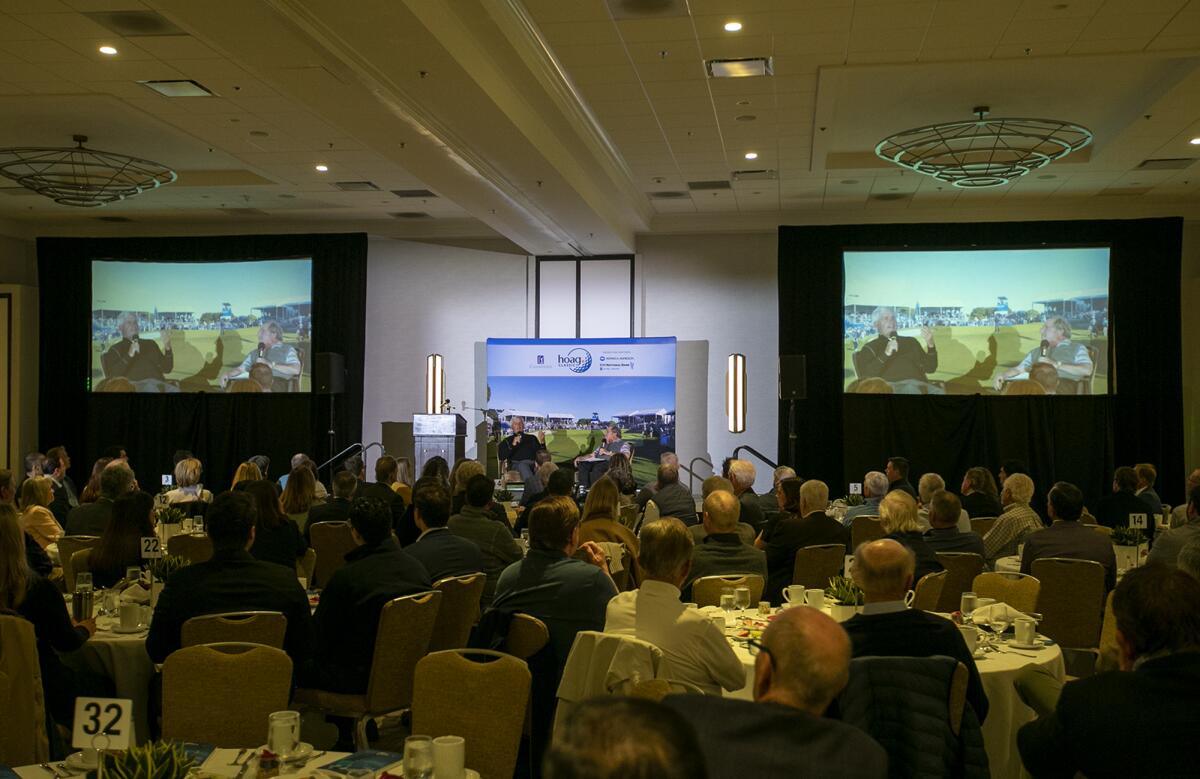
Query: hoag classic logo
[[577, 360]]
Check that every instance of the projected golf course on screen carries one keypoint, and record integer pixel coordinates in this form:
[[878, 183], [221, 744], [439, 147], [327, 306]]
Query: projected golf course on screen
[[240, 326], [1012, 321]]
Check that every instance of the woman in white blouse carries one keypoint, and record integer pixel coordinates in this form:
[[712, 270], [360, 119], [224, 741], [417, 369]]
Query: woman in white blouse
[[187, 483]]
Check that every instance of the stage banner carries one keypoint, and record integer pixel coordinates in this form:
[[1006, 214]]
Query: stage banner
[[571, 389]]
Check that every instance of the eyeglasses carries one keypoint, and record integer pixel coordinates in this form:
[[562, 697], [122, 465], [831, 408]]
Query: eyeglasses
[[760, 647]]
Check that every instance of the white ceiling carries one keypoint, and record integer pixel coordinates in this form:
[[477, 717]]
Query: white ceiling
[[550, 122]]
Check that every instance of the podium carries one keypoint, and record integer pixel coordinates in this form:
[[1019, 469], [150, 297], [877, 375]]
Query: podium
[[438, 435]]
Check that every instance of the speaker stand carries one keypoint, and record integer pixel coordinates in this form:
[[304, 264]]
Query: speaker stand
[[792, 432], [332, 437]]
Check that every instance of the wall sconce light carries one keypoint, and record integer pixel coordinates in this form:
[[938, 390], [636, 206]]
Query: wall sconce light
[[435, 384], [735, 393]]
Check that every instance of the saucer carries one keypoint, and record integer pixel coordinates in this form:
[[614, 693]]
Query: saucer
[[77, 761], [1037, 644], [138, 629], [303, 750]]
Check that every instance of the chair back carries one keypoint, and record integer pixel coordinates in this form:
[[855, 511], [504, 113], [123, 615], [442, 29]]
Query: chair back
[[864, 530], [706, 591], [266, 628], [192, 508], [628, 516], [1017, 590], [195, 549], [961, 569], [81, 562], [307, 564], [1110, 652], [23, 739], [526, 636], [405, 629], [981, 525], [478, 694], [816, 564], [223, 693], [652, 514], [332, 541], [458, 612], [68, 546], [929, 590], [1071, 601]]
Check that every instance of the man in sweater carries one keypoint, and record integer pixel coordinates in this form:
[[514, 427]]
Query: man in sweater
[[722, 550], [944, 535], [496, 544], [672, 498]]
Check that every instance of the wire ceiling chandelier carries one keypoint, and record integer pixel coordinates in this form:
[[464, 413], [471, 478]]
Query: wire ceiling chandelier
[[80, 176], [983, 152]]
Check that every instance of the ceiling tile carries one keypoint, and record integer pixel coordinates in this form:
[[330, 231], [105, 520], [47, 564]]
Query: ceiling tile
[[177, 47], [1126, 26], [11, 29], [65, 25]]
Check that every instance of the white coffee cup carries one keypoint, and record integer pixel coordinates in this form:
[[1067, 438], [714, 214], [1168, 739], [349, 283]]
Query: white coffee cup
[[970, 634], [131, 616], [1025, 630], [449, 757], [815, 598], [793, 594]]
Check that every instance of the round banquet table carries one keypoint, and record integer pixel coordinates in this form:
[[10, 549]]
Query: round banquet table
[[1006, 712]]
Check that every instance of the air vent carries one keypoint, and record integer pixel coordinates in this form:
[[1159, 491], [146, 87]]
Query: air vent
[[356, 186], [244, 212], [1169, 163], [703, 185], [186, 88], [741, 68], [646, 9], [891, 196], [755, 175], [412, 193], [411, 215], [668, 195], [114, 219], [132, 24]]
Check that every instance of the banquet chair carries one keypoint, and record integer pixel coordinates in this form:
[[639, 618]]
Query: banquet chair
[[307, 564], [333, 541], [706, 591], [929, 590], [458, 612], [1017, 590], [222, 693], [68, 546], [815, 565], [195, 549], [478, 694], [864, 530], [81, 562], [405, 627], [1071, 601], [23, 739], [192, 508], [1109, 654], [628, 516], [981, 525], [651, 514], [525, 638], [961, 568], [266, 628]]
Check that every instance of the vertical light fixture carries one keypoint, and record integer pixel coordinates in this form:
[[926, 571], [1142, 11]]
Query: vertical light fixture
[[735, 393], [435, 384]]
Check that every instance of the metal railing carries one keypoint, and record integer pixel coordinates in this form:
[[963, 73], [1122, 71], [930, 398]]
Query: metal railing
[[692, 473], [757, 454], [357, 448]]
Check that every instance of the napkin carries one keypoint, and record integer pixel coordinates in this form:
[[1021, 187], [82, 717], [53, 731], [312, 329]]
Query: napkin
[[135, 594], [615, 553], [987, 613]]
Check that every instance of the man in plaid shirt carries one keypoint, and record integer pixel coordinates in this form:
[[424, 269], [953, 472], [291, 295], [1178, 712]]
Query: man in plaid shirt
[[1017, 521]]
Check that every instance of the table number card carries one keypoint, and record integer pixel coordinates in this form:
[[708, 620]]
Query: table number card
[[151, 548], [102, 723], [1137, 521], [856, 488]]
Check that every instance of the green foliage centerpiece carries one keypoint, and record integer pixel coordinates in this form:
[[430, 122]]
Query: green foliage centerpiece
[[170, 515], [1128, 536], [155, 760]]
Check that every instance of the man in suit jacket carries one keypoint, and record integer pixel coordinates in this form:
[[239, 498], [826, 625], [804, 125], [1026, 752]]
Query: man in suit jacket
[[888, 628], [386, 468], [1114, 510], [496, 544], [721, 550], [338, 507], [741, 476], [65, 495], [1157, 610], [943, 534], [803, 663], [231, 581], [811, 528], [91, 519], [440, 551], [135, 358], [1146, 476], [1067, 538]]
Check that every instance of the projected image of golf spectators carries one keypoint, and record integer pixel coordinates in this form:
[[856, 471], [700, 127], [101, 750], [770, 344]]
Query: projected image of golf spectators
[[1012, 322], [201, 326]]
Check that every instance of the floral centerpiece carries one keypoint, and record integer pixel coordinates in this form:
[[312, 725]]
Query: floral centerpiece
[[846, 596]]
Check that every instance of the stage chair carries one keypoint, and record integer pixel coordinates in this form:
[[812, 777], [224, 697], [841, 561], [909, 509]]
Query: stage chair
[[814, 565], [1016, 589], [239, 627], [196, 549], [962, 568], [706, 591], [929, 590], [458, 612], [864, 530], [332, 541]]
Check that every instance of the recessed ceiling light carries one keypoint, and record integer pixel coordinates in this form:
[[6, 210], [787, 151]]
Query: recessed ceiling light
[[109, 50], [752, 155], [733, 26], [1195, 142], [322, 168], [745, 118]]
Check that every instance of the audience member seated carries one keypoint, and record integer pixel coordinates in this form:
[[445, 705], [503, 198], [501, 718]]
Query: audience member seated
[[646, 493], [1011, 467], [787, 504], [621, 473], [90, 519], [566, 593], [745, 532], [1169, 544], [623, 738], [37, 600], [874, 487], [496, 545], [540, 484], [1188, 560], [36, 518], [672, 498], [926, 487], [803, 663], [979, 494], [808, 527], [39, 562], [1016, 522], [1066, 537], [91, 490], [897, 476], [898, 517], [741, 476], [187, 484], [65, 497], [1179, 513], [347, 618], [337, 509], [404, 479], [944, 534], [277, 539], [231, 581], [769, 500], [1114, 510], [299, 496], [120, 545], [300, 459], [888, 628], [694, 649], [722, 550], [559, 484], [381, 488], [1157, 612], [440, 551], [247, 471], [464, 471], [1146, 476]]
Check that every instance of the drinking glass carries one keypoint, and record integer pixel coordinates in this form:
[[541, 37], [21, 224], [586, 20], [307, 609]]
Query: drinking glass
[[83, 581], [742, 597], [111, 602], [185, 526], [999, 623], [283, 732], [418, 757], [728, 603], [198, 525], [967, 605], [133, 574]]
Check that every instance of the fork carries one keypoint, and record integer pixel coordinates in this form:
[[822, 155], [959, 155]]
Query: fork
[[56, 770], [237, 759]]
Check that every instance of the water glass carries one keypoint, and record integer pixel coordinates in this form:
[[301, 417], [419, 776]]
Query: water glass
[[742, 597], [418, 757], [198, 525], [283, 732], [967, 605], [185, 526], [111, 602], [999, 623], [133, 574]]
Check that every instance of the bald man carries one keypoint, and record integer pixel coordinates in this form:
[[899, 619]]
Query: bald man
[[808, 527], [804, 662], [888, 628], [723, 550]]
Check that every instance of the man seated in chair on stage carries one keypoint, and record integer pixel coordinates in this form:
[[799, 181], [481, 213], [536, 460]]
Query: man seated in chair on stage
[[1069, 359], [898, 359], [592, 466], [282, 359], [520, 450]]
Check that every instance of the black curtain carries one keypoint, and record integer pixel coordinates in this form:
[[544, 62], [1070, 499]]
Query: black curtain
[[221, 429], [1077, 439]]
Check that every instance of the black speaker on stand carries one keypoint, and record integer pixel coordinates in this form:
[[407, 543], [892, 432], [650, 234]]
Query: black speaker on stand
[[329, 378], [793, 384]]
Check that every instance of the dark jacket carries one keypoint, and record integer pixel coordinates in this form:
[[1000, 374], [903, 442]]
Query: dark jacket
[[45, 609], [724, 553], [909, 361], [89, 519], [752, 513], [230, 581], [39, 562], [904, 485], [927, 561], [336, 510], [1079, 736], [792, 534], [444, 554], [384, 493], [347, 618], [980, 504], [674, 500], [1151, 499], [148, 363], [745, 740], [1113, 511], [1071, 539], [282, 545], [948, 539]]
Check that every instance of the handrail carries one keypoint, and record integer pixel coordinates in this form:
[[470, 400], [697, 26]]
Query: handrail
[[757, 454], [342, 454], [692, 473]]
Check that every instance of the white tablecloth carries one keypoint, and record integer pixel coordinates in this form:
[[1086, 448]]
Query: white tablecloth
[[123, 658]]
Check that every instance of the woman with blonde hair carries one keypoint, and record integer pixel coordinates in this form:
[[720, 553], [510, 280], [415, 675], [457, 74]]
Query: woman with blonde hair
[[247, 471], [187, 483], [402, 486], [36, 518], [299, 495], [600, 522], [898, 516]]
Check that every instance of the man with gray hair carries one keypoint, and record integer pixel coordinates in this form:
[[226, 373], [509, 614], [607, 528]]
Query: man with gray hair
[[742, 475], [646, 493], [887, 627], [134, 358], [1071, 360], [520, 451], [1015, 522], [898, 359], [926, 487], [874, 487], [803, 663], [808, 527], [283, 360], [768, 501], [722, 550], [672, 498]]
